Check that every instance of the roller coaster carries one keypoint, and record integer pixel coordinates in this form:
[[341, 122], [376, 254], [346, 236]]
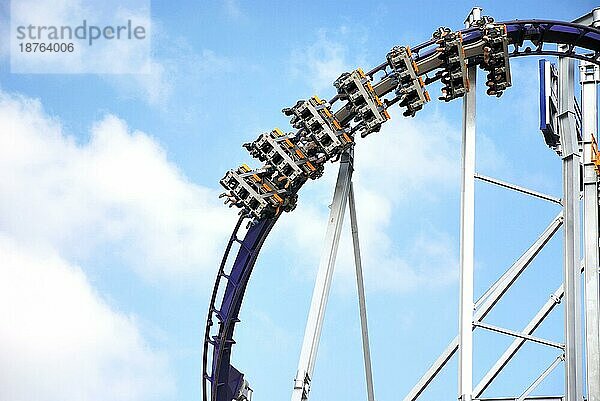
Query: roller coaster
[[327, 131]]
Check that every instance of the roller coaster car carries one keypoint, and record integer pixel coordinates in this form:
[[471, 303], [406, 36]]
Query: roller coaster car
[[355, 87], [255, 192], [283, 152], [454, 73], [495, 58], [409, 86], [315, 122]]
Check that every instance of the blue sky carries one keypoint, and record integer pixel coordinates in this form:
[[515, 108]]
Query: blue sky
[[111, 227]]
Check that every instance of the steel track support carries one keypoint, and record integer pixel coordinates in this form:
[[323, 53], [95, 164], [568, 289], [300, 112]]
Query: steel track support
[[517, 334], [512, 349], [541, 377], [486, 303], [314, 324], [362, 306], [589, 75], [571, 191], [517, 188], [467, 228], [590, 18]]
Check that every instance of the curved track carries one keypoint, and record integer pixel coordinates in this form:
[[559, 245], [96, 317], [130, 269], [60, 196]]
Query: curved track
[[529, 37]]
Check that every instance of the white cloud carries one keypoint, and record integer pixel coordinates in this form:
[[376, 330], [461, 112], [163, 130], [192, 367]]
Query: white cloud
[[323, 61], [150, 73], [67, 199], [104, 56], [118, 191], [4, 30], [60, 341], [155, 87], [400, 259], [178, 68], [156, 84], [410, 154], [232, 8]]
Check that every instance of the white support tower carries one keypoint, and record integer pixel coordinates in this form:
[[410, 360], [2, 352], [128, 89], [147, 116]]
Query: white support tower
[[589, 75], [316, 314], [571, 160], [362, 305], [343, 194], [467, 231]]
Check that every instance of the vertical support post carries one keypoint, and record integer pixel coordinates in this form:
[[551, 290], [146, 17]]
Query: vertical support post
[[314, 324], [361, 297], [467, 237], [589, 75], [571, 190]]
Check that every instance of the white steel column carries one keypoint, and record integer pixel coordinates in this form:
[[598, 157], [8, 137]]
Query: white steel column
[[362, 306], [467, 237], [589, 75], [314, 324], [571, 192]]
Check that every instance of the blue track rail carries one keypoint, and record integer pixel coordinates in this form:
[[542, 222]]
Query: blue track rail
[[527, 37], [224, 379]]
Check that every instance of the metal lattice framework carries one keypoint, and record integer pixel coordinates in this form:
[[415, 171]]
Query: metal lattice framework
[[291, 159]]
